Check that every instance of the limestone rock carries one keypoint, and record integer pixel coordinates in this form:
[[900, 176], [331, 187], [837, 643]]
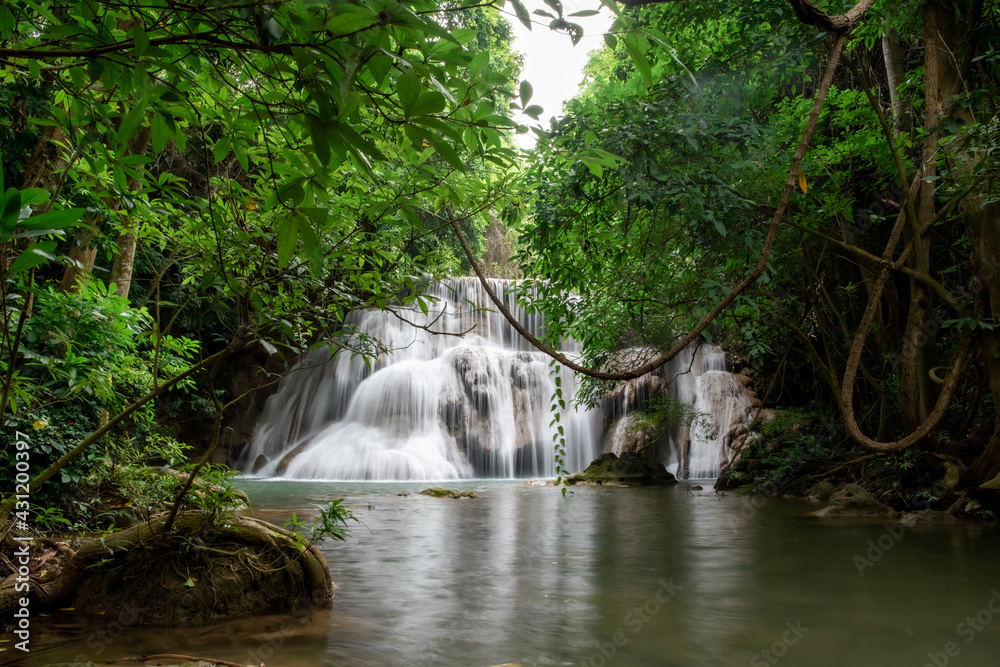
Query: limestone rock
[[852, 500]]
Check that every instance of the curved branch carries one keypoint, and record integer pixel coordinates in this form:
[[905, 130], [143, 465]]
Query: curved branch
[[772, 234], [810, 14]]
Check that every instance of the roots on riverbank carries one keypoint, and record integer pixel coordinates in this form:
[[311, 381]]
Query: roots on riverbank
[[198, 570]]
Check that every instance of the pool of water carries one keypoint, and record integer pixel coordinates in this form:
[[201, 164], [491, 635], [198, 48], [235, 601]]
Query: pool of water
[[673, 576]]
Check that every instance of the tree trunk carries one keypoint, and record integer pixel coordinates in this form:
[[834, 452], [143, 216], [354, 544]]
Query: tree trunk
[[46, 162], [984, 230], [121, 269], [917, 391], [82, 256], [895, 74]]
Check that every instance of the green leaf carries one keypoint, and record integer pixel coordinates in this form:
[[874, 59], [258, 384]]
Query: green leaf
[[32, 196], [522, 13], [526, 92], [534, 111], [241, 155], [291, 192], [351, 69], [357, 141], [320, 139], [162, 129], [556, 5], [408, 87], [428, 103], [10, 209], [34, 255], [7, 26], [63, 219], [479, 63], [636, 48], [585, 12], [139, 39], [95, 68], [403, 15], [287, 240], [446, 151], [221, 150], [309, 241]]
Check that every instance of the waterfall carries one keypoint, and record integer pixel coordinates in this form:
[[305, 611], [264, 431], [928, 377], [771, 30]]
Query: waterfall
[[473, 403], [712, 407]]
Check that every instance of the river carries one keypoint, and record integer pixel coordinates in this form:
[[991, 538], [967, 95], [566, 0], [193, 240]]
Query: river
[[675, 576]]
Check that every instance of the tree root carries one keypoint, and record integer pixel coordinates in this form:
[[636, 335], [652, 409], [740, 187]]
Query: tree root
[[250, 541]]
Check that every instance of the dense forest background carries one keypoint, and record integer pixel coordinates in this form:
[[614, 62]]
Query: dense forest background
[[190, 189]]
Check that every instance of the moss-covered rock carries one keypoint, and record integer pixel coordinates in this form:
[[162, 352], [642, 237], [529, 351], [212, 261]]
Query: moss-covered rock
[[628, 470], [852, 500], [438, 492]]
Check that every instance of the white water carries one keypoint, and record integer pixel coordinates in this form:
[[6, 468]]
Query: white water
[[696, 446], [435, 407]]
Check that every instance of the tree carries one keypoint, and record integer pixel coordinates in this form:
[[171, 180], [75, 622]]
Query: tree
[[273, 165], [624, 208]]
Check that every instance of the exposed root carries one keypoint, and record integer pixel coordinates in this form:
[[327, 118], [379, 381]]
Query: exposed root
[[248, 565]]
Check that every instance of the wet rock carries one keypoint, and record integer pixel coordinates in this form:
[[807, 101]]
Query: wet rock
[[630, 434], [926, 516], [628, 470], [852, 500], [438, 492], [821, 492], [259, 463], [405, 494]]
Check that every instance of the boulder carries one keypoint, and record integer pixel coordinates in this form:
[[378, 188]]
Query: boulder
[[852, 500], [438, 492], [821, 492], [628, 470], [926, 516]]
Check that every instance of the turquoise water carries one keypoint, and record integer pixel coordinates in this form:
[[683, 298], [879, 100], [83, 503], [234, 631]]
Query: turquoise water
[[603, 576]]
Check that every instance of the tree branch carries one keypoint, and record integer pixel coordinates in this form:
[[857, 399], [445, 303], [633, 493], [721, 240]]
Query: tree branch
[[772, 233]]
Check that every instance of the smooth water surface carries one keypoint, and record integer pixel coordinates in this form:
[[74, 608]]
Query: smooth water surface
[[657, 576]]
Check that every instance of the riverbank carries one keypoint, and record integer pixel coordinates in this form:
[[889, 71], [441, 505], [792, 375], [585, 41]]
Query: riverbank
[[789, 458]]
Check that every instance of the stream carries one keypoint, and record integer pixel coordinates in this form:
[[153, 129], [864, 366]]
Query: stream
[[675, 576]]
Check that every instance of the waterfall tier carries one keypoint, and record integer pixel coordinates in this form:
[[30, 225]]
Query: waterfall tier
[[473, 403], [709, 410]]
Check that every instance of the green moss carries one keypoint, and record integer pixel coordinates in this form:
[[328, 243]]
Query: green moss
[[438, 492], [628, 470]]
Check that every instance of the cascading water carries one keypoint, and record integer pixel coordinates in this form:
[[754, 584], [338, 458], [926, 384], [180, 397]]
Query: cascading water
[[698, 443], [475, 403]]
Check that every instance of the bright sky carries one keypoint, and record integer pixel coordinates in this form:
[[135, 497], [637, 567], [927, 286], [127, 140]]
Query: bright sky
[[551, 63]]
